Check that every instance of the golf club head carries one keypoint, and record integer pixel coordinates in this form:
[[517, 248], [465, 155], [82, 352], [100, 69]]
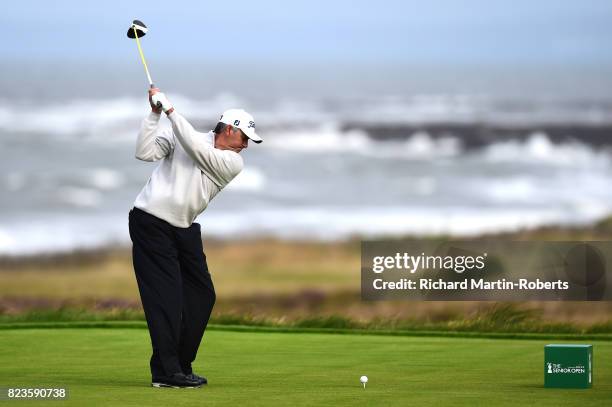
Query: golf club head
[[141, 29]]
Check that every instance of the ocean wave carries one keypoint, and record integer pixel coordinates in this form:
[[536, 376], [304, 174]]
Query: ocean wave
[[86, 117], [64, 233], [104, 178], [249, 179], [539, 149], [340, 223], [79, 197], [77, 116], [536, 148], [97, 117], [61, 233], [331, 139]]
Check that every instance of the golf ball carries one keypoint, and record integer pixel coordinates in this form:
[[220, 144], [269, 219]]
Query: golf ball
[[363, 379]]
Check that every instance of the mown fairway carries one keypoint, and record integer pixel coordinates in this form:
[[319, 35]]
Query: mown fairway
[[110, 367]]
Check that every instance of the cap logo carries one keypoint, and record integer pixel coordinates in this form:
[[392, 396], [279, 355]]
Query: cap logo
[[236, 122], [251, 125]]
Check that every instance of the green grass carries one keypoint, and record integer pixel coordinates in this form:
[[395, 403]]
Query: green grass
[[110, 367], [315, 329]]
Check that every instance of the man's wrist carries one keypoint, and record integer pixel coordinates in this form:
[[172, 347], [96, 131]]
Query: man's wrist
[[169, 111]]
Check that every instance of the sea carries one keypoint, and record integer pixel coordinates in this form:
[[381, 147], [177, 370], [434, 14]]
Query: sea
[[348, 153]]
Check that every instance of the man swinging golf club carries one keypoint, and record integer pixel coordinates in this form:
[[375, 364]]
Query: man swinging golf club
[[175, 286]]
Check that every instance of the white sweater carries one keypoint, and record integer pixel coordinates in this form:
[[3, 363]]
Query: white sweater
[[190, 174]]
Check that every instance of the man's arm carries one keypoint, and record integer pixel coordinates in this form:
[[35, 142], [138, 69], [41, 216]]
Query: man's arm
[[150, 146], [221, 166]]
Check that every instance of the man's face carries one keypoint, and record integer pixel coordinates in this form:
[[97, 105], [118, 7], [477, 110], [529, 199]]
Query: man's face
[[232, 138]]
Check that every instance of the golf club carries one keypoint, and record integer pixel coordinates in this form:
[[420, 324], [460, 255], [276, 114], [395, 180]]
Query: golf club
[[139, 29]]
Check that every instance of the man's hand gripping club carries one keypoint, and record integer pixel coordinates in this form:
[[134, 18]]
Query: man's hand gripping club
[[159, 102]]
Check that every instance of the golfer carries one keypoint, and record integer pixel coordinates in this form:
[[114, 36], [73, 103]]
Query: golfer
[[175, 286]]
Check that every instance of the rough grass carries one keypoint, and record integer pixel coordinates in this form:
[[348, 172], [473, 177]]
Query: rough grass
[[268, 282], [240, 269], [500, 317]]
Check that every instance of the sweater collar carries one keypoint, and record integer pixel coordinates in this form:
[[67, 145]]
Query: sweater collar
[[210, 138]]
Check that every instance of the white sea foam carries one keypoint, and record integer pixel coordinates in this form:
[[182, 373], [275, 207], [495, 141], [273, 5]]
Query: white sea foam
[[330, 139], [306, 126], [249, 179], [91, 117], [338, 223], [39, 234], [327, 138], [323, 224], [105, 178], [85, 117], [538, 149], [80, 116], [79, 197], [61, 233]]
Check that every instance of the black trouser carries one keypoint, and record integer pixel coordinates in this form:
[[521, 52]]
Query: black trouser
[[175, 287]]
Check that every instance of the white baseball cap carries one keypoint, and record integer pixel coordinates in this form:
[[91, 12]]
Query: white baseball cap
[[242, 120]]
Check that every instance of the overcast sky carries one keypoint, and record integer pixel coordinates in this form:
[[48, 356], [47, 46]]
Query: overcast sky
[[264, 31]]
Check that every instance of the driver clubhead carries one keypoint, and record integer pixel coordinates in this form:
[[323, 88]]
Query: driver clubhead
[[141, 29]]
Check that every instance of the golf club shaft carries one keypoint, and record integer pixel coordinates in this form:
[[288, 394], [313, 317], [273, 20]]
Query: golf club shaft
[[144, 62]]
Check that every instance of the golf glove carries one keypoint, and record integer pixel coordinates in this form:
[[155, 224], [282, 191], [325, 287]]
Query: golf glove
[[161, 98]]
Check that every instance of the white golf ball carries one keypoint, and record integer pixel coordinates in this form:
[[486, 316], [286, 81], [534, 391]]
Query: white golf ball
[[363, 379]]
